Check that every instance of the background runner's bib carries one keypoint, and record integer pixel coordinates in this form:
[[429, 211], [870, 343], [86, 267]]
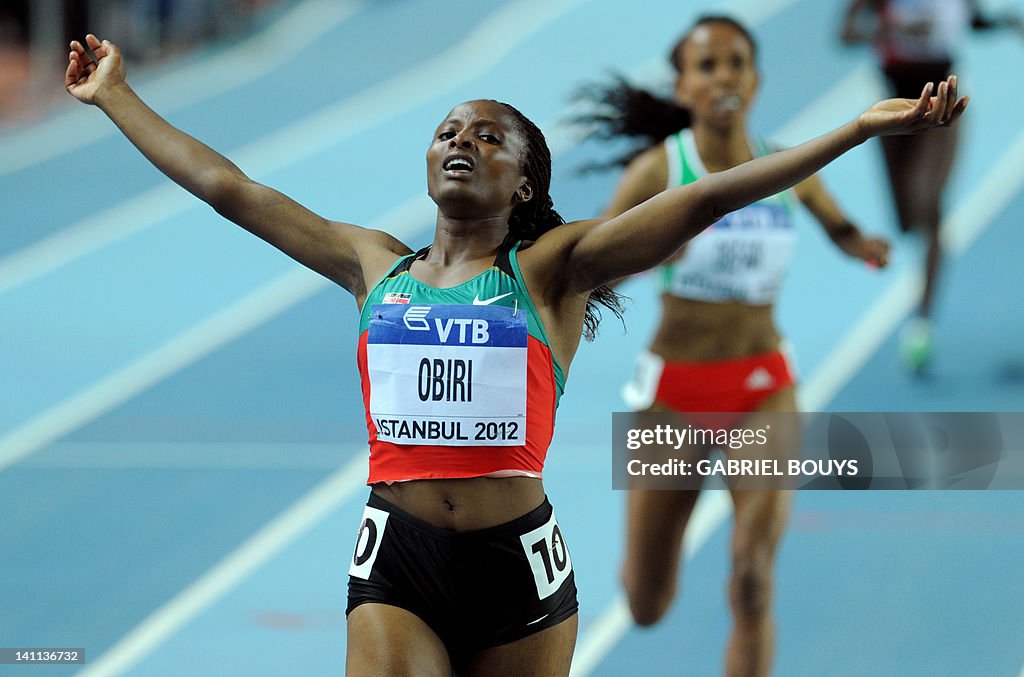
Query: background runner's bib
[[744, 255], [452, 375]]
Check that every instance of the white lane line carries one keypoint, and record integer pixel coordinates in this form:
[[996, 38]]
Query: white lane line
[[713, 508], [857, 90], [93, 233], [185, 86], [754, 12], [213, 585], [187, 347], [860, 343], [970, 217], [177, 353], [191, 455], [657, 73], [972, 214], [490, 42]]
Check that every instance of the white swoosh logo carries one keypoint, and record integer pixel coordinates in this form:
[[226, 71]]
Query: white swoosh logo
[[487, 302], [539, 619]]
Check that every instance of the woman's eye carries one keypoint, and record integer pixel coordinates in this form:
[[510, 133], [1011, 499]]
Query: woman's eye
[[444, 136], [490, 138]]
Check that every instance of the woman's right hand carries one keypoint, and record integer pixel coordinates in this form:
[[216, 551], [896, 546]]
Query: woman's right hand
[[907, 116], [85, 77]]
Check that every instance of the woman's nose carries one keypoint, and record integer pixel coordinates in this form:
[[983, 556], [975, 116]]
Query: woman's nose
[[725, 74]]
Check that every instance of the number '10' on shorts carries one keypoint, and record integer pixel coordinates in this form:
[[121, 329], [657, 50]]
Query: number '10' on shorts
[[475, 589]]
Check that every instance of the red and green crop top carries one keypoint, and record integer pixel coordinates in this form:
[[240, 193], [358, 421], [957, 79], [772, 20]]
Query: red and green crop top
[[457, 382]]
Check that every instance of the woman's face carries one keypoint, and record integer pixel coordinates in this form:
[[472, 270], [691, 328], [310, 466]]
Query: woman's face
[[475, 162], [719, 78]]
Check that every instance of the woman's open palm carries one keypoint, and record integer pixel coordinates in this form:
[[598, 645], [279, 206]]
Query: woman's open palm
[[907, 116]]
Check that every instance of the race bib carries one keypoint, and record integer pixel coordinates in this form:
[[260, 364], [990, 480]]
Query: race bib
[[549, 557], [743, 257], [371, 533], [452, 375], [641, 391]]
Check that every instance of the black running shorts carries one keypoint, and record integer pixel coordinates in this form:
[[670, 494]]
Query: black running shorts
[[475, 589]]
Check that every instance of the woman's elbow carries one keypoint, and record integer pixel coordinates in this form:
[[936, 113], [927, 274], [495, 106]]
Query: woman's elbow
[[707, 203], [222, 189]]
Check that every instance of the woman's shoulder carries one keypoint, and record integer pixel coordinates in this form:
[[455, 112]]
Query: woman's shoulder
[[654, 157], [646, 175], [563, 235], [649, 164]]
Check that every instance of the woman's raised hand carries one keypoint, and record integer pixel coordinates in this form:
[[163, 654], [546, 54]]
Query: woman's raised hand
[[907, 116], [85, 75]]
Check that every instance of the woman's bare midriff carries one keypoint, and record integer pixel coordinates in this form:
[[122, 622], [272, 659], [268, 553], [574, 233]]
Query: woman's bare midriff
[[465, 504], [699, 331]]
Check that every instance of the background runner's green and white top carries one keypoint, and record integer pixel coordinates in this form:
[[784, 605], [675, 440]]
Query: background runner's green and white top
[[744, 255]]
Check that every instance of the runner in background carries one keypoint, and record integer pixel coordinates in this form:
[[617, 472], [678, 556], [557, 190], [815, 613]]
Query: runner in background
[[915, 41], [716, 348]]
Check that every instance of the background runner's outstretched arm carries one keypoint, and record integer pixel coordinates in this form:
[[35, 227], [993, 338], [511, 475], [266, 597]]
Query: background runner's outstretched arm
[[351, 256], [611, 249]]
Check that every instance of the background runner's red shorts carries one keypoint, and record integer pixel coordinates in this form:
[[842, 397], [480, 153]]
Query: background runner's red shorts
[[737, 385]]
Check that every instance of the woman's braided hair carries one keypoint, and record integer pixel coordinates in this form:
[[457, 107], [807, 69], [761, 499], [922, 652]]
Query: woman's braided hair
[[533, 218]]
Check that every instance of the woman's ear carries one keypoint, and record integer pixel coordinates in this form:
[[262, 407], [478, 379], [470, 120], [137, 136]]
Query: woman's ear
[[525, 193]]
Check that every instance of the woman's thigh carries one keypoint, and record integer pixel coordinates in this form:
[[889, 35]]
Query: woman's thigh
[[545, 653], [388, 640]]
